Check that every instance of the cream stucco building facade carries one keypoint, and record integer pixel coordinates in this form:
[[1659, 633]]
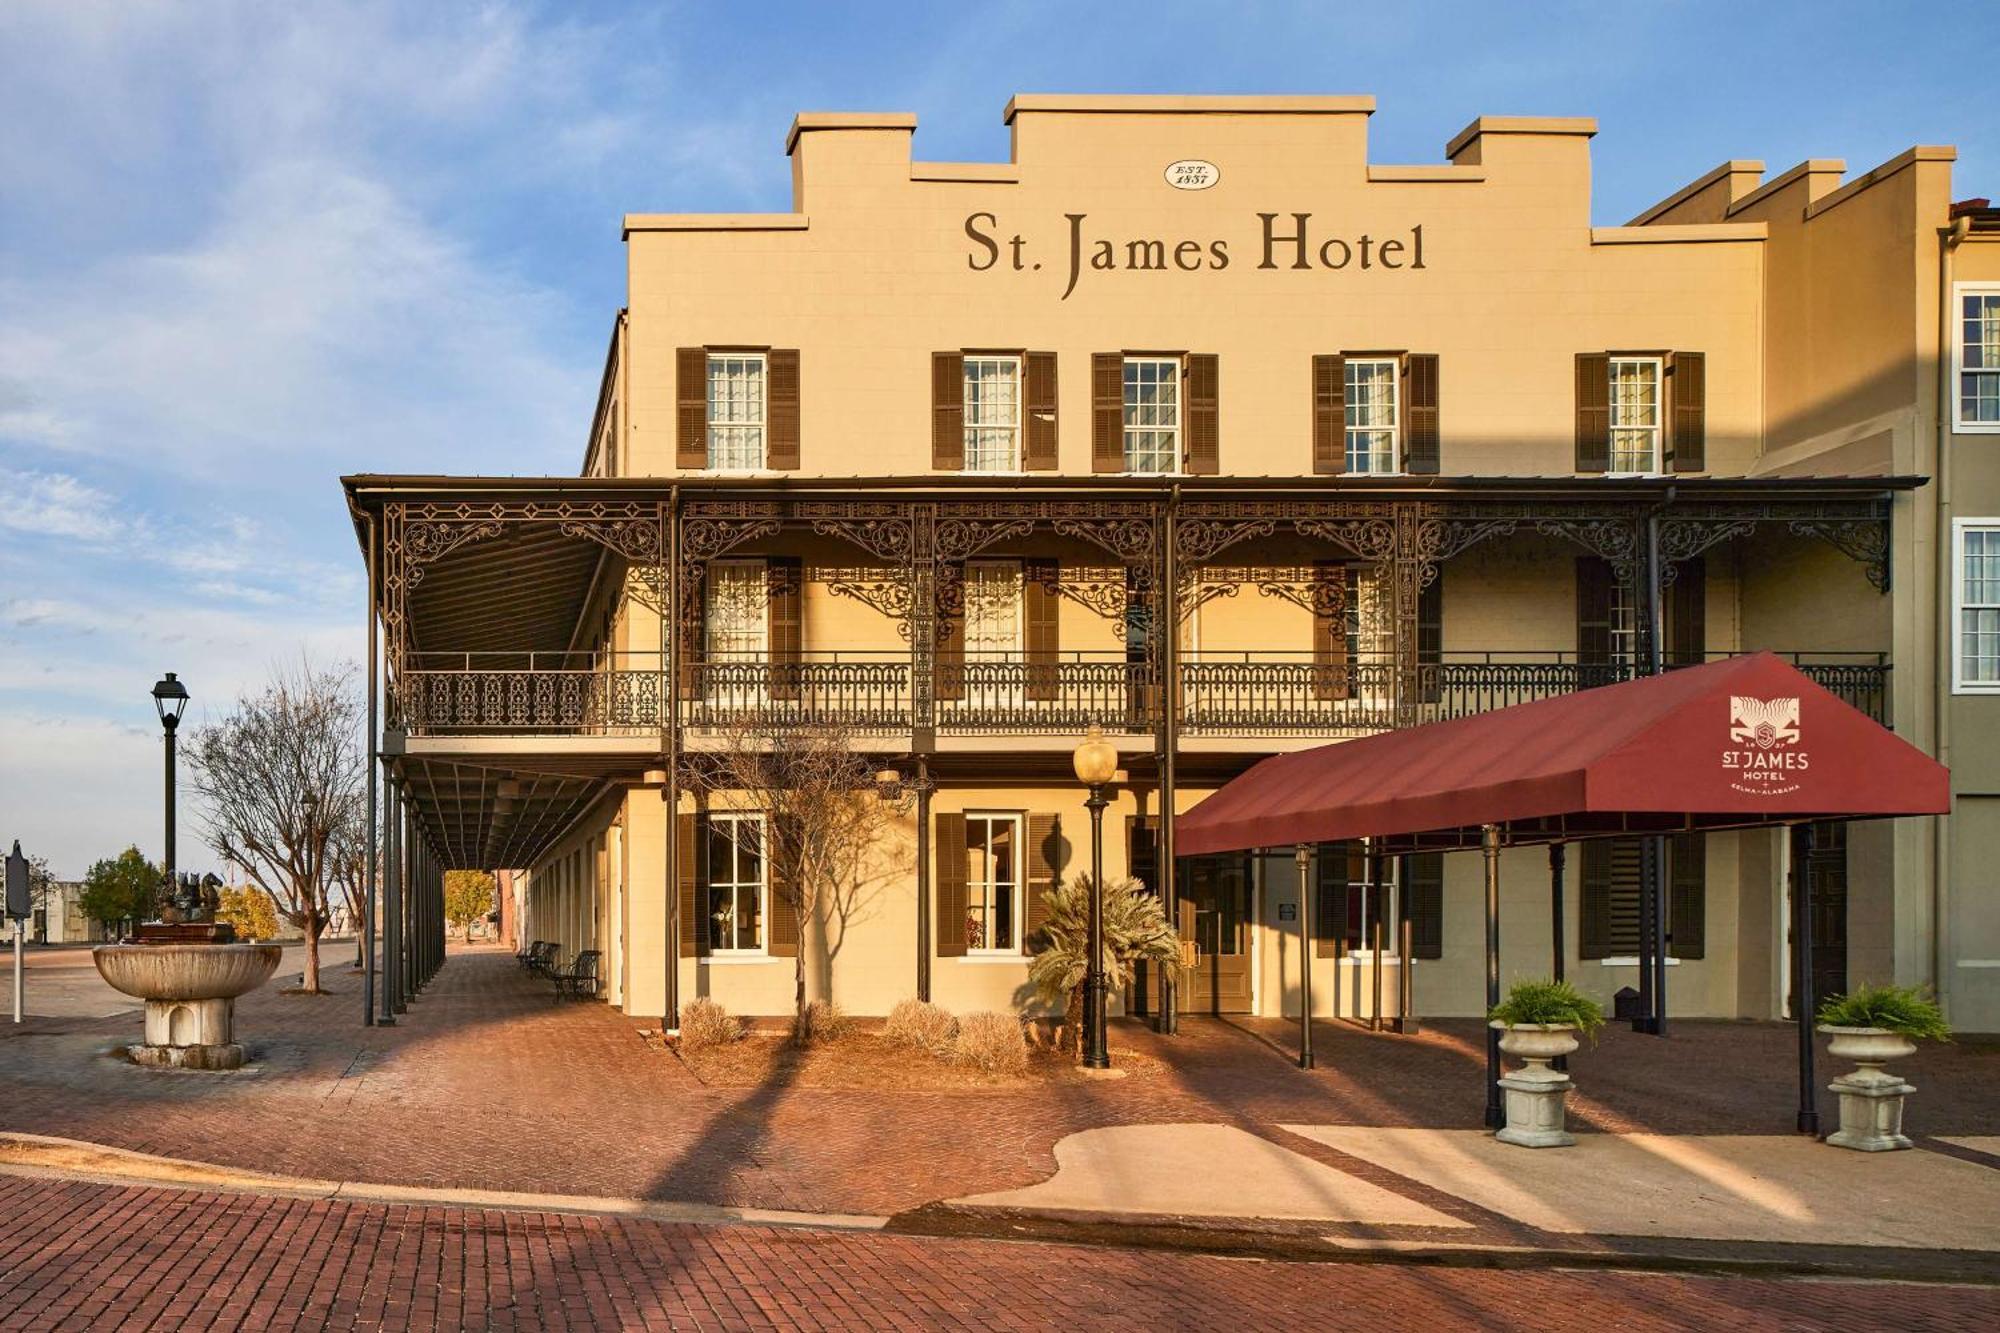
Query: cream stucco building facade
[[1193, 422]]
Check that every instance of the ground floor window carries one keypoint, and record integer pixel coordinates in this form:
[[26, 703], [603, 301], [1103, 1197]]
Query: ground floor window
[[993, 883], [734, 861], [1610, 909]]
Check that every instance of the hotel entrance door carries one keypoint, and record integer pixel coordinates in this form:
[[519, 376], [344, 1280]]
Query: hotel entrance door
[[1215, 920]]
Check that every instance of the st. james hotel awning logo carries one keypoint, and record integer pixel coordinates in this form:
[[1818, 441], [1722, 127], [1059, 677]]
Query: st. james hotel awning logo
[[1765, 756]]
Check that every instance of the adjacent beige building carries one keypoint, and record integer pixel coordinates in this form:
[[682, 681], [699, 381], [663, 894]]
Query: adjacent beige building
[[1193, 422]]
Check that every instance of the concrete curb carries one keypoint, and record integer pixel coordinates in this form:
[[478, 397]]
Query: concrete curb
[[1302, 1242], [49, 1157]]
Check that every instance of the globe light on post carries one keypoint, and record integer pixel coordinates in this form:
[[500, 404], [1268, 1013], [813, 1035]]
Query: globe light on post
[[1096, 761]]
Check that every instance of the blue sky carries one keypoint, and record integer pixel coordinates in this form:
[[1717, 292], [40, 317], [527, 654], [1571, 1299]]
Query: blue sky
[[245, 248]]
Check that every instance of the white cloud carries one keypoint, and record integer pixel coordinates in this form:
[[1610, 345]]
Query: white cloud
[[55, 504]]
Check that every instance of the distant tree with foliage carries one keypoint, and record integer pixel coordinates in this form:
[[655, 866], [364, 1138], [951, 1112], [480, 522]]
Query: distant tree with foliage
[[280, 777], [250, 910], [120, 888], [468, 897]]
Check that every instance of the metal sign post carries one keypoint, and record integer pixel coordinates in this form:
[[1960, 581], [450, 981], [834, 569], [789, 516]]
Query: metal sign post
[[20, 909]]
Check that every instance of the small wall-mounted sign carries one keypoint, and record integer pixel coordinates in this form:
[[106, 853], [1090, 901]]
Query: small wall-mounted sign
[[1288, 911], [1192, 174]]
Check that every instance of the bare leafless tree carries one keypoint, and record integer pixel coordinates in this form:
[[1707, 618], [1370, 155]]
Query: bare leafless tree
[[825, 813], [280, 784]]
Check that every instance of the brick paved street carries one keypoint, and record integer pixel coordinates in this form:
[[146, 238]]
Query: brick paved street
[[569, 1099], [85, 1256]]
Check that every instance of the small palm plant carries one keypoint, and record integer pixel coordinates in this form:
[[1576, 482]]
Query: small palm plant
[[1135, 929]]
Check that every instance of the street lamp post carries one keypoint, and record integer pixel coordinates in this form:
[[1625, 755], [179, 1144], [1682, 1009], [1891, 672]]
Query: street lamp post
[[170, 700], [1096, 761]]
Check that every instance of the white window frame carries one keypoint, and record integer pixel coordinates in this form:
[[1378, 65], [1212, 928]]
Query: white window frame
[[1959, 292], [762, 884], [1659, 423], [1389, 893], [1018, 889], [755, 573], [1394, 426], [1013, 364], [1177, 431], [1959, 528], [761, 423]]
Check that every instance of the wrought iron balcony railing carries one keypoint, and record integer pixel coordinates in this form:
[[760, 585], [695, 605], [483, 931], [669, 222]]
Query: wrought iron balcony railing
[[1246, 694]]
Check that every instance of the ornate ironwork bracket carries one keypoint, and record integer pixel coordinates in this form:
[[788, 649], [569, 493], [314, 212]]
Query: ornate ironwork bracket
[[1613, 540], [1866, 540], [1683, 539], [427, 540]]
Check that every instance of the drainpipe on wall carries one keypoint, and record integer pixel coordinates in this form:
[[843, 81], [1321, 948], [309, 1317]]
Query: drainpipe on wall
[[1941, 713]]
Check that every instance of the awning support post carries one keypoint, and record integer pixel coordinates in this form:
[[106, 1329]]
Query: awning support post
[[1558, 949], [1406, 941], [1302, 858], [1804, 1002], [1489, 842], [1378, 876]]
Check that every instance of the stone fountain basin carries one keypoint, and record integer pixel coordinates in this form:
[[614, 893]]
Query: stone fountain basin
[[187, 971]]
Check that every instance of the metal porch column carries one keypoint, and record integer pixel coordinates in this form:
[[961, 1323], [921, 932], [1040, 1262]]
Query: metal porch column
[[1558, 952], [370, 908], [1804, 1002], [1302, 859], [1489, 842]]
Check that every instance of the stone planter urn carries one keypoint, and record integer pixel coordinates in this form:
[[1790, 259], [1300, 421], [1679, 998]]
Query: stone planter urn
[[1535, 1095], [1871, 1100], [190, 992]]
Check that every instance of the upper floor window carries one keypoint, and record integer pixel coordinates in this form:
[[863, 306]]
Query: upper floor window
[[736, 409], [992, 611], [1152, 414], [1635, 414], [736, 882], [1373, 409], [1976, 604], [1979, 359], [992, 413], [738, 628]]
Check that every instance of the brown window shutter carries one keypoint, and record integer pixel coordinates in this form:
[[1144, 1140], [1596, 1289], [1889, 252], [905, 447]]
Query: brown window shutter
[[1423, 880], [1594, 902], [950, 845], [1687, 397], [1330, 890], [1039, 448], [1041, 633], [1329, 631], [1593, 412], [948, 411], [1593, 614], [1430, 638], [691, 399], [1107, 412], [781, 409], [948, 655], [1142, 852], [1329, 405], [783, 577], [1687, 895], [692, 857], [1420, 413], [1687, 615], [781, 921], [1204, 412], [1046, 853]]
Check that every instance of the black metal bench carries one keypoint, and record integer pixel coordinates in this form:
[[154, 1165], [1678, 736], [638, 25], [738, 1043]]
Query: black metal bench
[[581, 977], [542, 958], [525, 955]]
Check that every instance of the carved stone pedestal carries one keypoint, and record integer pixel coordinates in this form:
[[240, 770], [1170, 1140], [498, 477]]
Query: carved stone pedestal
[[1871, 1099], [1535, 1095]]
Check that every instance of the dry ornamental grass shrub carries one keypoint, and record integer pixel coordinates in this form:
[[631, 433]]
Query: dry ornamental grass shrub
[[821, 1021], [921, 1026], [993, 1043], [704, 1023]]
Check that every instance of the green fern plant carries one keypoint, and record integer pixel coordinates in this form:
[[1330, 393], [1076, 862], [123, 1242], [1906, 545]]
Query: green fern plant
[[1551, 1004], [1135, 929], [1904, 1010]]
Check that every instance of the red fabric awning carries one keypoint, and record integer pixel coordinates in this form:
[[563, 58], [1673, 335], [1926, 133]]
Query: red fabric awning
[[1738, 743]]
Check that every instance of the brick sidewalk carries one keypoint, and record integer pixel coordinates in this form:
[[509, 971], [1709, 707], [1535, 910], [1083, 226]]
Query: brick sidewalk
[[488, 1084], [84, 1256]]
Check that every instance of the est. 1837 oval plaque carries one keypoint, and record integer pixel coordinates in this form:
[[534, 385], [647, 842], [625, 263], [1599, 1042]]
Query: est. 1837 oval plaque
[[1192, 174]]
